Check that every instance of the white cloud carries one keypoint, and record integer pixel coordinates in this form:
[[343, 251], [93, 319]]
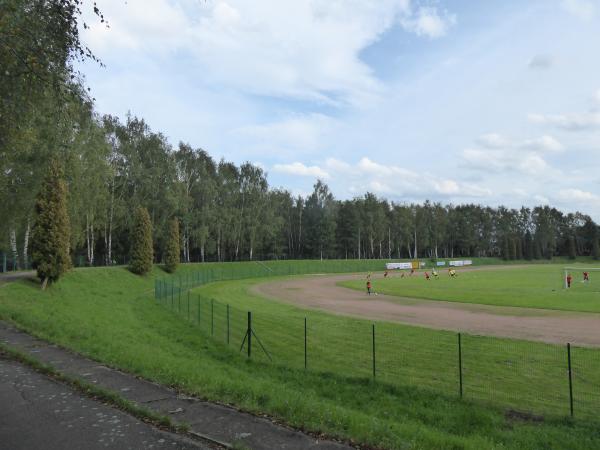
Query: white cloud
[[301, 132], [427, 21], [544, 143], [496, 153], [301, 49], [583, 9], [493, 140], [507, 161], [299, 169], [541, 62], [397, 182], [571, 122], [577, 195], [137, 25]]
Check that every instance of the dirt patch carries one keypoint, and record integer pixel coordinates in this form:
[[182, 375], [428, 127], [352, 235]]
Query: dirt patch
[[322, 293]]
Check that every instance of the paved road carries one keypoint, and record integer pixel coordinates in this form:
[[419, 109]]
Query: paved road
[[6, 277], [39, 413], [216, 422]]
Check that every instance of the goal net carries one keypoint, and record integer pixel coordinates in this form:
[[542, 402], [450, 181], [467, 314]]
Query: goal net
[[580, 276]]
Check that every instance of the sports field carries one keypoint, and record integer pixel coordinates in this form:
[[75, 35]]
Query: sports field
[[416, 404], [519, 374], [532, 286]]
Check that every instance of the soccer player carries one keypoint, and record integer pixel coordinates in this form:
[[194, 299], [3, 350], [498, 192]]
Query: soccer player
[[569, 279], [369, 287], [385, 274], [412, 271], [426, 276], [586, 277], [434, 273], [452, 273]]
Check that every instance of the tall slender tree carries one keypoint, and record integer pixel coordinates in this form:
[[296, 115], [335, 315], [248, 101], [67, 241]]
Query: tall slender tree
[[141, 243], [51, 231]]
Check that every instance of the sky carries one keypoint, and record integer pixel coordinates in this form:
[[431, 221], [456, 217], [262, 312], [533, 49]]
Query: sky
[[489, 102]]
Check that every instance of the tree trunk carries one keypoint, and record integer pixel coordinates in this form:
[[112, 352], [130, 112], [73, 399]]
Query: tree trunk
[[110, 224], [92, 240], [26, 243], [13, 247], [87, 236]]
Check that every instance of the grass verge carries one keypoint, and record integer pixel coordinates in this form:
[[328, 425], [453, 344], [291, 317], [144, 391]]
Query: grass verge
[[81, 313]]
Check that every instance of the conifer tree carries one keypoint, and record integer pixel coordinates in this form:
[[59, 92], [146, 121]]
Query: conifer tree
[[51, 231], [142, 253], [172, 253]]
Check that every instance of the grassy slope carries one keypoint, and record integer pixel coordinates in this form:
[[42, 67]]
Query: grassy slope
[[104, 314], [535, 286]]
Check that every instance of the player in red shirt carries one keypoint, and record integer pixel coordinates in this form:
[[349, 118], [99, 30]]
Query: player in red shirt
[[569, 279], [586, 277], [426, 276], [369, 287]]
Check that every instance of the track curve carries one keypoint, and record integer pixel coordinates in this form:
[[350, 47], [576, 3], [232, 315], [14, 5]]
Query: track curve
[[321, 292]]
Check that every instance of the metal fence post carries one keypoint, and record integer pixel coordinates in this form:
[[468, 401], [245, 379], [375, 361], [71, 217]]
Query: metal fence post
[[188, 305], [570, 378], [199, 317], [373, 333], [305, 346], [228, 324], [460, 374], [249, 334], [212, 316], [172, 293]]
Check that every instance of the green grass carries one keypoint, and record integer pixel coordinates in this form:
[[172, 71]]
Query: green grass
[[534, 286], [108, 315], [515, 374]]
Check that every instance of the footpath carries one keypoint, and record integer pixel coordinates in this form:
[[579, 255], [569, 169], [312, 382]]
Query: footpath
[[217, 424]]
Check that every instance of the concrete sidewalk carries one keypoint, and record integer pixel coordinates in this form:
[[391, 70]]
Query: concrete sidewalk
[[40, 413], [217, 423]]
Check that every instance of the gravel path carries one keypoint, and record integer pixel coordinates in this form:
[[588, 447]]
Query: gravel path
[[322, 293]]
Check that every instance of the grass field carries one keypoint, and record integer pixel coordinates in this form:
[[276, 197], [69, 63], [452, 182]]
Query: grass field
[[534, 286], [515, 374], [150, 341]]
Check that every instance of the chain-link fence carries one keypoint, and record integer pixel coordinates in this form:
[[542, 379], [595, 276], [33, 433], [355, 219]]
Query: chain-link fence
[[523, 376]]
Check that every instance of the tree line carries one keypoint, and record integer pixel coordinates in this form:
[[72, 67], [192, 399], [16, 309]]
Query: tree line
[[226, 212]]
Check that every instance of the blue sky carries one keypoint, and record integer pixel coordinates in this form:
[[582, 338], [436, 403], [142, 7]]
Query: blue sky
[[457, 101]]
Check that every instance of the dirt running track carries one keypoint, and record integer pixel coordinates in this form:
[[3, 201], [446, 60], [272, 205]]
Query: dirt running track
[[321, 292]]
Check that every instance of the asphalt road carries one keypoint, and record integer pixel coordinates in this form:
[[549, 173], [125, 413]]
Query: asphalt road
[[38, 413]]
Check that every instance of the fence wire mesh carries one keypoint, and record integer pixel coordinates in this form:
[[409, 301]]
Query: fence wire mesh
[[524, 376]]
